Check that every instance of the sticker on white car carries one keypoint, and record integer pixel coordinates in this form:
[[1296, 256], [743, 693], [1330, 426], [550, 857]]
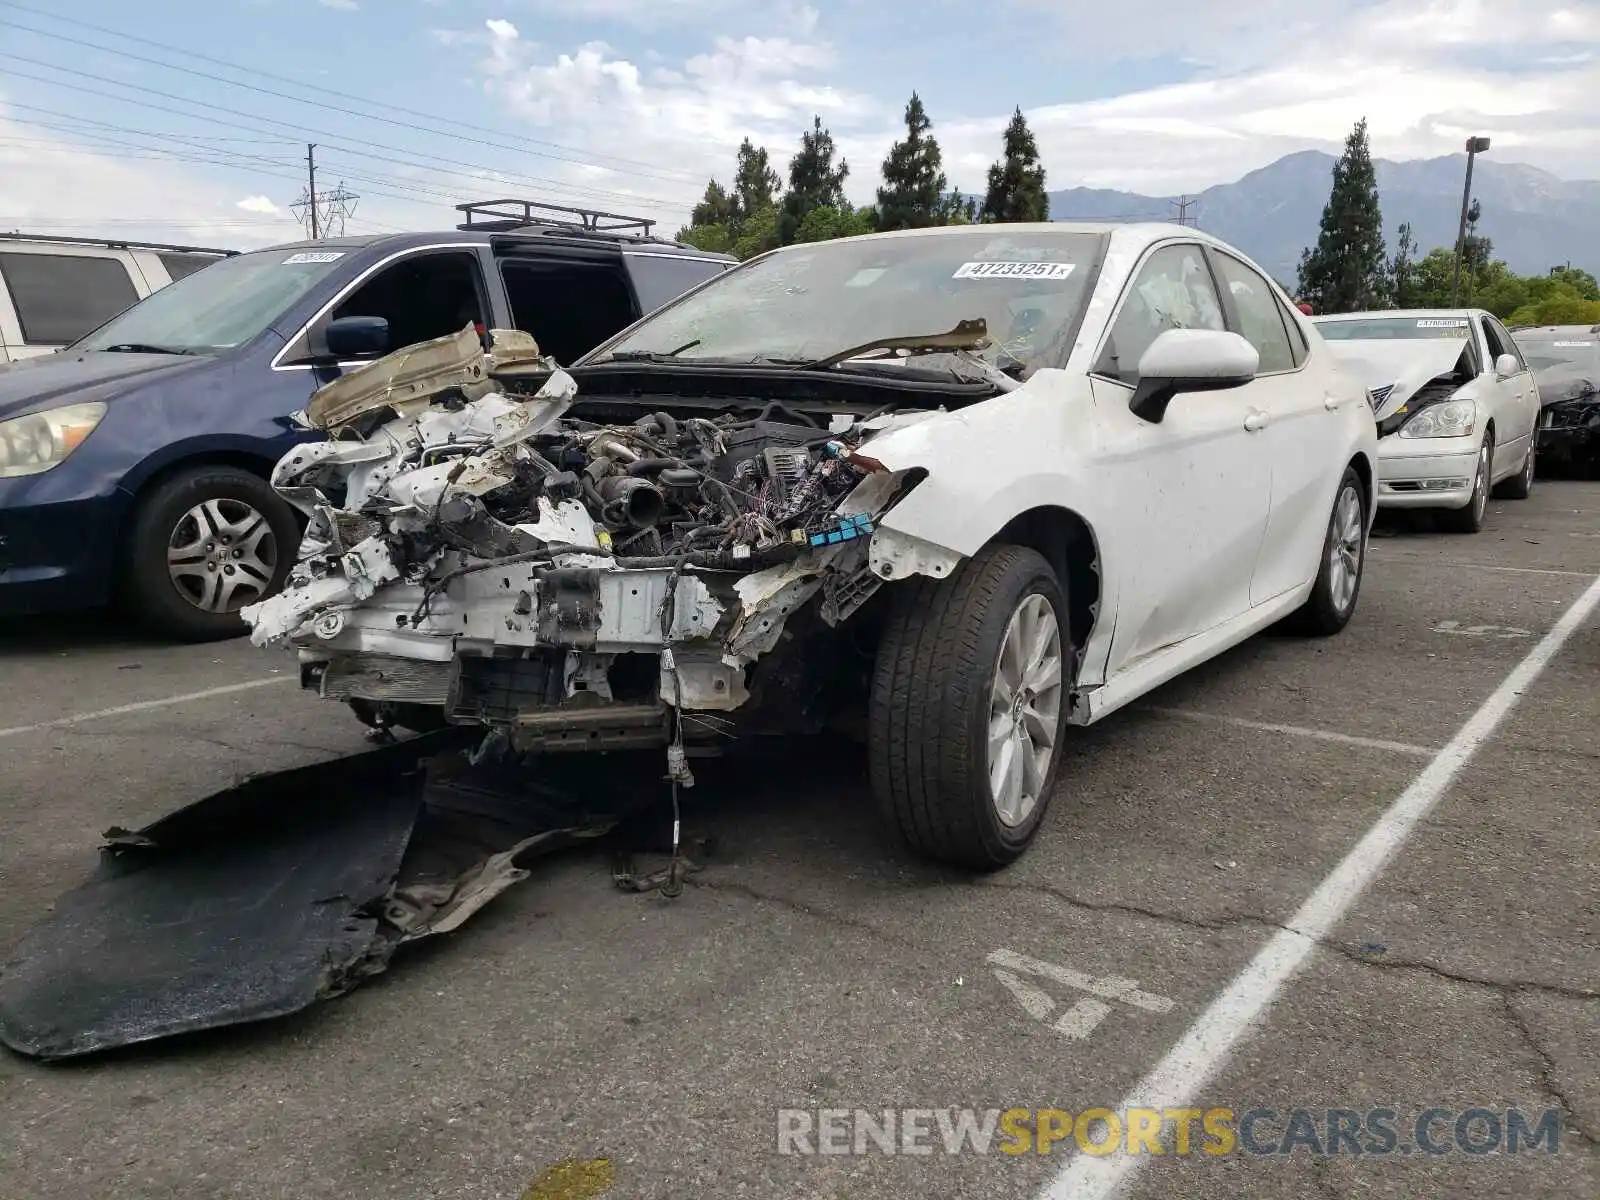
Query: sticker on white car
[[1013, 270], [313, 256], [1441, 323]]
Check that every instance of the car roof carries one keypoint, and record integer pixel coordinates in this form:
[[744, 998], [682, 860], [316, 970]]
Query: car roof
[[1403, 314], [1557, 330], [533, 235]]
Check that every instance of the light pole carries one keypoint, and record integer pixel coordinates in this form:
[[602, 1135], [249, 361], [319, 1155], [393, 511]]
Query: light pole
[[1475, 146]]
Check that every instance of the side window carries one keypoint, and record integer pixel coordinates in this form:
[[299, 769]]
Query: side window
[[61, 297], [1173, 290], [1492, 340], [1260, 321], [569, 306], [1507, 341], [1297, 335], [658, 278], [422, 297], [179, 265]]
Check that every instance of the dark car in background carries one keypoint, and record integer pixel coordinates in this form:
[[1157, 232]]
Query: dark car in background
[[134, 462], [1566, 367]]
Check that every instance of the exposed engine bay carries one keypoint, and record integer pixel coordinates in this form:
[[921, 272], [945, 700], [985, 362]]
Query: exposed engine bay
[[476, 555]]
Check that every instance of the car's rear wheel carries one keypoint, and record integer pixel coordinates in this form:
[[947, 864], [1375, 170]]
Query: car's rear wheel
[[1520, 486], [968, 708], [205, 543], [1470, 518], [1332, 601]]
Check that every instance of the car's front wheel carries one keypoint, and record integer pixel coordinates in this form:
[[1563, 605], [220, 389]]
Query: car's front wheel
[[205, 543], [968, 707], [1332, 601], [1520, 485], [1470, 518]]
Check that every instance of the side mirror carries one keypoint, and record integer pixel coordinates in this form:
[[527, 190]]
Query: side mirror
[[357, 337], [1190, 360], [1506, 366]]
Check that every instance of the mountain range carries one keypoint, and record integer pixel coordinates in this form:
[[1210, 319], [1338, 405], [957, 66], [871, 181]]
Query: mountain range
[[1534, 219]]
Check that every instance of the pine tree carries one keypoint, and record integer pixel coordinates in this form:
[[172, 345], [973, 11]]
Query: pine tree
[[814, 181], [913, 181], [1401, 285], [1016, 183], [755, 183], [1347, 269]]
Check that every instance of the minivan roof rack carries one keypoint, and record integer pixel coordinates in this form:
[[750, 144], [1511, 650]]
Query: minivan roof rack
[[500, 216], [112, 243]]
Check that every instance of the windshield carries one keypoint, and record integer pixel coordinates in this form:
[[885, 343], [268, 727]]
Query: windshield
[[1393, 329], [1571, 354], [815, 300], [221, 306]]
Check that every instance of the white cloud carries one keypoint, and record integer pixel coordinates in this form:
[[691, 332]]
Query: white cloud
[[341, 5], [258, 204]]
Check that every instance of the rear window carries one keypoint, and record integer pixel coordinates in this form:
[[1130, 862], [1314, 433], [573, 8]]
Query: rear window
[[179, 265], [658, 278], [61, 297]]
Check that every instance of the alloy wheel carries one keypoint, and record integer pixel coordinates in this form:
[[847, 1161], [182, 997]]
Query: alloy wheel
[[1024, 709], [1345, 548]]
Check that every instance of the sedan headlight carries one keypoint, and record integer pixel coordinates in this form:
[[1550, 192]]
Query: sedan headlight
[[33, 444], [1454, 418]]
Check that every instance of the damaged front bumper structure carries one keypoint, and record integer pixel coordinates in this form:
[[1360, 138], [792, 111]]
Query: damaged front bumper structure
[[475, 556]]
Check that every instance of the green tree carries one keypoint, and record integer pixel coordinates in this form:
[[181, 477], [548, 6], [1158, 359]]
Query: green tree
[[1016, 183], [1561, 304], [814, 181], [1402, 267], [956, 209], [913, 178], [827, 222], [755, 183], [758, 234], [1347, 269]]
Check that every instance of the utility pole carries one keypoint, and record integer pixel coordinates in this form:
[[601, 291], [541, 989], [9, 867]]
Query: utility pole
[[1183, 217], [1475, 146], [311, 186]]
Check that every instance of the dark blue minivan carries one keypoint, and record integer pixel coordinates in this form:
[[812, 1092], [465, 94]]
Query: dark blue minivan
[[134, 462]]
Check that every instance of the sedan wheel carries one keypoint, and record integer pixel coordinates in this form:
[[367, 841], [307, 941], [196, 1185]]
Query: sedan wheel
[[1332, 601], [968, 707], [1024, 710], [1470, 518]]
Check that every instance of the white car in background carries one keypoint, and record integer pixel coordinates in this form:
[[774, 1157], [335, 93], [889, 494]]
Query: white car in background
[[1456, 404], [972, 484]]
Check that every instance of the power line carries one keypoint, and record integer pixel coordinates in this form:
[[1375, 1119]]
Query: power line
[[651, 172], [1182, 205], [457, 165]]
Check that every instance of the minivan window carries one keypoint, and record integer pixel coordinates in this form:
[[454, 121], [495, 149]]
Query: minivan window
[[180, 265], [658, 278], [568, 307], [61, 297], [223, 306]]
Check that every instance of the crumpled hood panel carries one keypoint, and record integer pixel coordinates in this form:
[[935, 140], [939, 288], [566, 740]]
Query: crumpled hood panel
[[1407, 365]]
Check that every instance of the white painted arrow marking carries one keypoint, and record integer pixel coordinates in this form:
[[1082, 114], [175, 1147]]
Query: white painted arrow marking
[[1082, 1018]]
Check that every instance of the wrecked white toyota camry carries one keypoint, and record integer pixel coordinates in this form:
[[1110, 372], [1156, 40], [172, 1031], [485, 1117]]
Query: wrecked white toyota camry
[[954, 488]]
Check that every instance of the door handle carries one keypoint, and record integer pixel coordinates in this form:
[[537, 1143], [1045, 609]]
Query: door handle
[[1256, 421]]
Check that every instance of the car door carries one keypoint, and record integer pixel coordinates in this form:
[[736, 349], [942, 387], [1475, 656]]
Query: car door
[[1303, 403], [1506, 404], [1189, 495], [1523, 386]]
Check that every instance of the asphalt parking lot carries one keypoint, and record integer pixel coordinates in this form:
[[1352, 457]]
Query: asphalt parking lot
[[811, 967]]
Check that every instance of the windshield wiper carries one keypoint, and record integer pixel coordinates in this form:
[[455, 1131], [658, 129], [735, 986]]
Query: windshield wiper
[[648, 355], [144, 348], [971, 334]]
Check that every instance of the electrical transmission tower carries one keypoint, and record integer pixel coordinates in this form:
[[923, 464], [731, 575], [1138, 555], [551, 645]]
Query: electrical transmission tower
[[1182, 204], [322, 213]]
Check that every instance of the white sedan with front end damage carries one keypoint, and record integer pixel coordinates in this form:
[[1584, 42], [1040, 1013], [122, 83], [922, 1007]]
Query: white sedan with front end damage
[[1456, 405], [954, 488]]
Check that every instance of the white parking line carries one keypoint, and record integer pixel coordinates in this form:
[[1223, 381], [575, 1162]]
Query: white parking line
[[144, 705], [1204, 1048], [1321, 735]]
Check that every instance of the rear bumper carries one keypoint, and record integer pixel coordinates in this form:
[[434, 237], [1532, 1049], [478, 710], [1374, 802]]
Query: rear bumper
[[1426, 472], [55, 556]]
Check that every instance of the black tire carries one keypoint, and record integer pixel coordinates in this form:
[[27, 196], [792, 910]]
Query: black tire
[[1520, 486], [165, 516], [1325, 611], [1470, 518], [929, 709]]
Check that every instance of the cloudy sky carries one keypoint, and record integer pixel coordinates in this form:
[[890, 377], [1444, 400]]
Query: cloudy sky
[[188, 121]]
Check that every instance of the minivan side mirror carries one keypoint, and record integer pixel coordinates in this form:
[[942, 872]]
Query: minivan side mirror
[[357, 337], [1190, 360], [1506, 366]]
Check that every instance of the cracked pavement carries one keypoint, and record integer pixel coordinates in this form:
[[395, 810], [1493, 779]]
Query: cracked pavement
[[810, 965]]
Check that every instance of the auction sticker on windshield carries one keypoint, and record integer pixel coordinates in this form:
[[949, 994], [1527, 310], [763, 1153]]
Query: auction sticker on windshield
[[1437, 323], [1572, 345], [313, 256], [1013, 270]]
